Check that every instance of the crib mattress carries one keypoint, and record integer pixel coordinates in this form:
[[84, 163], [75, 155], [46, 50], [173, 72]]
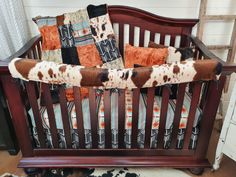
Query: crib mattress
[[114, 122]]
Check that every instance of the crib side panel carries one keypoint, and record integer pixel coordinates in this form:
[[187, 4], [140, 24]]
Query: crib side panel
[[100, 110], [135, 151]]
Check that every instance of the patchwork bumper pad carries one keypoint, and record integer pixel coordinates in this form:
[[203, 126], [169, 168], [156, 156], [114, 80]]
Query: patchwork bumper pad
[[114, 122]]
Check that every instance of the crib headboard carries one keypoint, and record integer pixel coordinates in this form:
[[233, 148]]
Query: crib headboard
[[175, 31]]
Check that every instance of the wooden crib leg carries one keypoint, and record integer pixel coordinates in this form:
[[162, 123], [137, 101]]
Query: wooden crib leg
[[196, 171]]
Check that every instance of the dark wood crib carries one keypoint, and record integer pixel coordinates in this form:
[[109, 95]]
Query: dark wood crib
[[206, 95]]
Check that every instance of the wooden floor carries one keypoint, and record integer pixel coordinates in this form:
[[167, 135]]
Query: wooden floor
[[228, 167]]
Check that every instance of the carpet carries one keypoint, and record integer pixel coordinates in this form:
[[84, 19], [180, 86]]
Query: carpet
[[137, 172], [109, 172]]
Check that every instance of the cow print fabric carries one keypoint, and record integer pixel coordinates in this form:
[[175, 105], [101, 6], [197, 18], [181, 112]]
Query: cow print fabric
[[143, 77]]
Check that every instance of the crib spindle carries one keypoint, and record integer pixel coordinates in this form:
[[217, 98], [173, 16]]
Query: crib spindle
[[39, 50], [93, 117], [51, 115], [135, 113], [204, 94], [121, 38], [177, 116], [152, 36], [172, 40], [29, 54], [107, 117], [200, 56], [162, 39], [184, 38], [65, 117], [149, 116], [35, 53], [162, 124], [37, 116], [131, 34], [192, 113], [121, 121], [196, 53], [141, 37], [79, 117]]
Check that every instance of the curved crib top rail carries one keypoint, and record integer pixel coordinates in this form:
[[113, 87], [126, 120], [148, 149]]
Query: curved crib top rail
[[119, 12], [178, 72]]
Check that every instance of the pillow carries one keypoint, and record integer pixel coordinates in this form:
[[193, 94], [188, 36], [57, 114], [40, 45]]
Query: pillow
[[175, 54], [144, 56]]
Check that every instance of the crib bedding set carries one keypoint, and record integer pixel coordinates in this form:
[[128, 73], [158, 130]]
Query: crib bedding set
[[80, 49]]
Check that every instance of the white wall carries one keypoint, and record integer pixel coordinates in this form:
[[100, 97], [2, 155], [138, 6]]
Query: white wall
[[216, 32]]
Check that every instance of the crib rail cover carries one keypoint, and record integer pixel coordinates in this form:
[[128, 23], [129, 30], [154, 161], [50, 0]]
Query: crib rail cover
[[74, 75]]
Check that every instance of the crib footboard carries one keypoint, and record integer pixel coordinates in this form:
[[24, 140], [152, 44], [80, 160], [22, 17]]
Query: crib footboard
[[205, 95]]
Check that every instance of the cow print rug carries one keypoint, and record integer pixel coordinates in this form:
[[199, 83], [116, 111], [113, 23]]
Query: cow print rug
[[116, 172]]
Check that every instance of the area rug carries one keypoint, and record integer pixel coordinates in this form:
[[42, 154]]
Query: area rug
[[136, 172], [8, 175], [108, 172]]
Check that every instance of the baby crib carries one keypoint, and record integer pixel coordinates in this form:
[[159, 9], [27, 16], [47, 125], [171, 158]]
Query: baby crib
[[113, 144]]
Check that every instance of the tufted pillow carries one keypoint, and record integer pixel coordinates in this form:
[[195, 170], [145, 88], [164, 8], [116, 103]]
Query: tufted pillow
[[144, 56]]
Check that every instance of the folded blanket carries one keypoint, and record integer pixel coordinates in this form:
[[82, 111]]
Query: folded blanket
[[84, 37], [54, 73]]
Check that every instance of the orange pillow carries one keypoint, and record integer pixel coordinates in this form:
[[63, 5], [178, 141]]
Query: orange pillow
[[144, 56], [70, 93]]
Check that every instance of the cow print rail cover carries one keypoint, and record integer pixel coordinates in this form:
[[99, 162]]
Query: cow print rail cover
[[54, 73]]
